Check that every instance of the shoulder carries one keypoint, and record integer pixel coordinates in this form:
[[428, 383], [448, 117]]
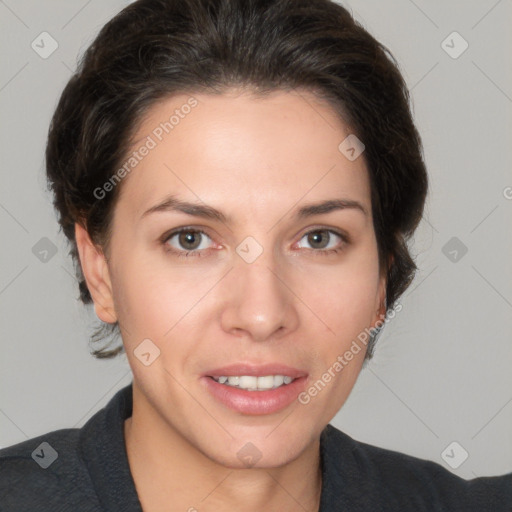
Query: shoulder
[[45, 472], [391, 480]]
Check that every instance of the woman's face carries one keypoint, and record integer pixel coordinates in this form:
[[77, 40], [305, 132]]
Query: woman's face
[[251, 283]]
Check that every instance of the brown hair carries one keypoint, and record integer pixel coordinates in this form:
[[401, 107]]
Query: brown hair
[[155, 48]]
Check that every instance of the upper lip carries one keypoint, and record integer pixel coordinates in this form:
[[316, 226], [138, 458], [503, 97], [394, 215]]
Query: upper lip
[[256, 370]]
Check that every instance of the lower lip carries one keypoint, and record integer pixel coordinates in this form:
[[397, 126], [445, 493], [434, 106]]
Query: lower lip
[[255, 402]]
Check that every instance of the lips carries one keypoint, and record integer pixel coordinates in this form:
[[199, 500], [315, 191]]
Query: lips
[[255, 402]]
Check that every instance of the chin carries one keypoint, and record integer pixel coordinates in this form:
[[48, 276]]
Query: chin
[[262, 449]]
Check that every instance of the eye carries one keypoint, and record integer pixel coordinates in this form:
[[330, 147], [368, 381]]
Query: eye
[[325, 241], [186, 241]]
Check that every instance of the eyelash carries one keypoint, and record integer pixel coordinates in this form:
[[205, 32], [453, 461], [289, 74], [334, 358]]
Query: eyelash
[[198, 253]]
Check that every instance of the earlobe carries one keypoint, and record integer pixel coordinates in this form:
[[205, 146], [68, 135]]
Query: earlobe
[[96, 274]]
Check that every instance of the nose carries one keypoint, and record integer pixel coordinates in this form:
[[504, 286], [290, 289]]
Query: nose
[[260, 303]]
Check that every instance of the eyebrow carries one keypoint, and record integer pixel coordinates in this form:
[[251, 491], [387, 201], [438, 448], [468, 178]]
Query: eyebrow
[[171, 203]]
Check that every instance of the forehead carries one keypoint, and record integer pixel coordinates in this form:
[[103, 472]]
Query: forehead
[[251, 151]]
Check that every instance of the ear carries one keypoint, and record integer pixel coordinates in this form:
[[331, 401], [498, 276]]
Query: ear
[[380, 306], [96, 273]]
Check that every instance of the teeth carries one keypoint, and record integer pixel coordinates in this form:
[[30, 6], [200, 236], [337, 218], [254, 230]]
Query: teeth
[[252, 383], [278, 380], [265, 382], [247, 382]]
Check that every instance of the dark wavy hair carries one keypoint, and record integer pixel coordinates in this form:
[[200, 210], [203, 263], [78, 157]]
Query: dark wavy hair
[[155, 48]]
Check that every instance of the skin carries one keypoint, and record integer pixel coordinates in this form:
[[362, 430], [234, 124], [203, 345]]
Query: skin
[[257, 160]]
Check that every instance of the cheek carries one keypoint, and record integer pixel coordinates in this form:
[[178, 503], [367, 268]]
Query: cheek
[[155, 299], [347, 312], [148, 302], [345, 297]]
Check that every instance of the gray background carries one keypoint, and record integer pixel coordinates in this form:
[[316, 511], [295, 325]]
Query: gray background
[[441, 372]]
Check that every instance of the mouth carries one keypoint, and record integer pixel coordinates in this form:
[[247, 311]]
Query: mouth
[[255, 390]]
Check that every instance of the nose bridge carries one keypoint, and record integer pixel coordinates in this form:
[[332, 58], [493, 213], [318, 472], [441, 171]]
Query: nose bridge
[[260, 304]]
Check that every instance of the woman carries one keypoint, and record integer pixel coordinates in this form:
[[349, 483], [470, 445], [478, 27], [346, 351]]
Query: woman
[[238, 180]]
